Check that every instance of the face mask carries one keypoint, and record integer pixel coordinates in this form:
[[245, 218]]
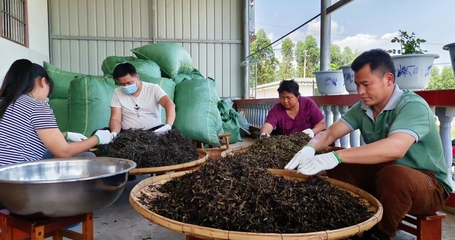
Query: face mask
[[130, 89]]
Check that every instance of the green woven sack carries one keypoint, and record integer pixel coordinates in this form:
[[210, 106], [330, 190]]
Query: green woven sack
[[169, 88], [89, 104], [230, 121], [197, 114], [143, 67], [180, 77], [171, 57], [61, 79], [60, 109]]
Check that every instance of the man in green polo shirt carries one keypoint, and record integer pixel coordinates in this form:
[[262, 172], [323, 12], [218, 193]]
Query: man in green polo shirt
[[402, 162]]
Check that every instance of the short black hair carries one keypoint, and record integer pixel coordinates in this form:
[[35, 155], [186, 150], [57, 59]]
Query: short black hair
[[123, 69], [378, 59], [289, 86]]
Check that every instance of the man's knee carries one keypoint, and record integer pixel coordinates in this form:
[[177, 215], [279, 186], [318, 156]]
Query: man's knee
[[394, 176]]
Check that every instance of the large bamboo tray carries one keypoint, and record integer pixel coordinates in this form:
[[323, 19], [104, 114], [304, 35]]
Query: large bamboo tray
[[234, 150], [203, 155], [211, 233], [245, 148]]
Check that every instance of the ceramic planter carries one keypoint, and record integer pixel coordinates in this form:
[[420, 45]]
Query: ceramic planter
[[451, 48], [348, 75], [330, 82], [412, 71]]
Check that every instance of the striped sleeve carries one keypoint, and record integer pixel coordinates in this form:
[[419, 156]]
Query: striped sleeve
[[42, 117]]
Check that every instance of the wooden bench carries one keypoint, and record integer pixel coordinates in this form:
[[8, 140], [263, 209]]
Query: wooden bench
[[426, 227], [20, 228]]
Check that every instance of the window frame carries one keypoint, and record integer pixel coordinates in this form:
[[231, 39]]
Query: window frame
[[26, 30]]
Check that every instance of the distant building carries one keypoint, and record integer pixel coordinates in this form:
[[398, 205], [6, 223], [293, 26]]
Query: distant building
[[307, 87]]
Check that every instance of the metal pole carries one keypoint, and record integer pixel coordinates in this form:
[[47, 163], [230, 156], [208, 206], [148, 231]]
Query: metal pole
[[246, 42], [325, 36]]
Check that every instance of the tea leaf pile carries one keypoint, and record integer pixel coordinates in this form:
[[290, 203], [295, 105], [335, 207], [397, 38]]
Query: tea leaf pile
[[232, 195], [148, 149], [275, 151]]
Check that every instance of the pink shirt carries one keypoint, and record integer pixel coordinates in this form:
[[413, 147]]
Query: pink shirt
[[308, 116]]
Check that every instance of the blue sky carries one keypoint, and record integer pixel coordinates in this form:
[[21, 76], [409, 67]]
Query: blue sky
[[364, 24]]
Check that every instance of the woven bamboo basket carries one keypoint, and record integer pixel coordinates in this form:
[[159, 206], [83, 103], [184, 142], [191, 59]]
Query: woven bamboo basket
[[232, 151], [203, 155], [215, 153], [200, 232], [245, 148]]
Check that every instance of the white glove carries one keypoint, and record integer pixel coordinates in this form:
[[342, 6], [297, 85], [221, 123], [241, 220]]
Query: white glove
[[75, 137], [104, 136], [309, 132], [114, 135], [264, 135], [164, 129], [319, 163], [302, 156]]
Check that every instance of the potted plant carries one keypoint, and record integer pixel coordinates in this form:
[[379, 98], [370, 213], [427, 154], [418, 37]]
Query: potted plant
[[330, 82], [412, 65]]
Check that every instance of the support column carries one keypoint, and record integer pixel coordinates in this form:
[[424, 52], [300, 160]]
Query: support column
[[246, 45], [325, 35]]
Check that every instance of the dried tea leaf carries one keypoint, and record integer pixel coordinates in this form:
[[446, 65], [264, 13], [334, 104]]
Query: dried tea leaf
[[233, 195]]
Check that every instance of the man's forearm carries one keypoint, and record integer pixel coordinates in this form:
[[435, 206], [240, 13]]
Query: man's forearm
[[170, 115], [320, 141], [115, 125]]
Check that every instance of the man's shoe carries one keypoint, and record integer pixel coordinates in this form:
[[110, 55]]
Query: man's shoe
[[374, 234]]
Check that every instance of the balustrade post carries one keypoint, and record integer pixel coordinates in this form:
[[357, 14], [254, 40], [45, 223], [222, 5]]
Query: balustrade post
[[446, 115], [344, 141], [328, 115]]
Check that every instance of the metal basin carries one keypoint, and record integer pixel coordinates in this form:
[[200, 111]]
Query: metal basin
[[62, 187]]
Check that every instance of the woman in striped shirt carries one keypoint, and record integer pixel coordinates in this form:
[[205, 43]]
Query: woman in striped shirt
[[28, 129]]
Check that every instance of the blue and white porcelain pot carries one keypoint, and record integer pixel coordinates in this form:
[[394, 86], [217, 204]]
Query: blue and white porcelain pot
[[348, 75], [412, 71], [330, 82]]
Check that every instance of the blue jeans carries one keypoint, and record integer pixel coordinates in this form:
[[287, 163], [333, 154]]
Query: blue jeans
[[87, 154]]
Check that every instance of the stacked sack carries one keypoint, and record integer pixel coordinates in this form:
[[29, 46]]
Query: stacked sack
[[81, 103], [195, 97]]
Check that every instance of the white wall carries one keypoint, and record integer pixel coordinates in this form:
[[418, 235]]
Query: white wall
[[38, 39]]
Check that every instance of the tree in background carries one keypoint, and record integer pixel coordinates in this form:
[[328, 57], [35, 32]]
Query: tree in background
[[340, 58], [348, 56], [266, 61], [336, 58], [287, 57], [310, 49], [441, 79]]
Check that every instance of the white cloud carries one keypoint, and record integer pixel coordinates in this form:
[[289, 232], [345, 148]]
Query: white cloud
[[297, 36], [271, 36], [314, 28], [363, 41]]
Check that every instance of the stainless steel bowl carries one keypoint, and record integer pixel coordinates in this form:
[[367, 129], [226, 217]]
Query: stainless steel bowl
[[62, 187]]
